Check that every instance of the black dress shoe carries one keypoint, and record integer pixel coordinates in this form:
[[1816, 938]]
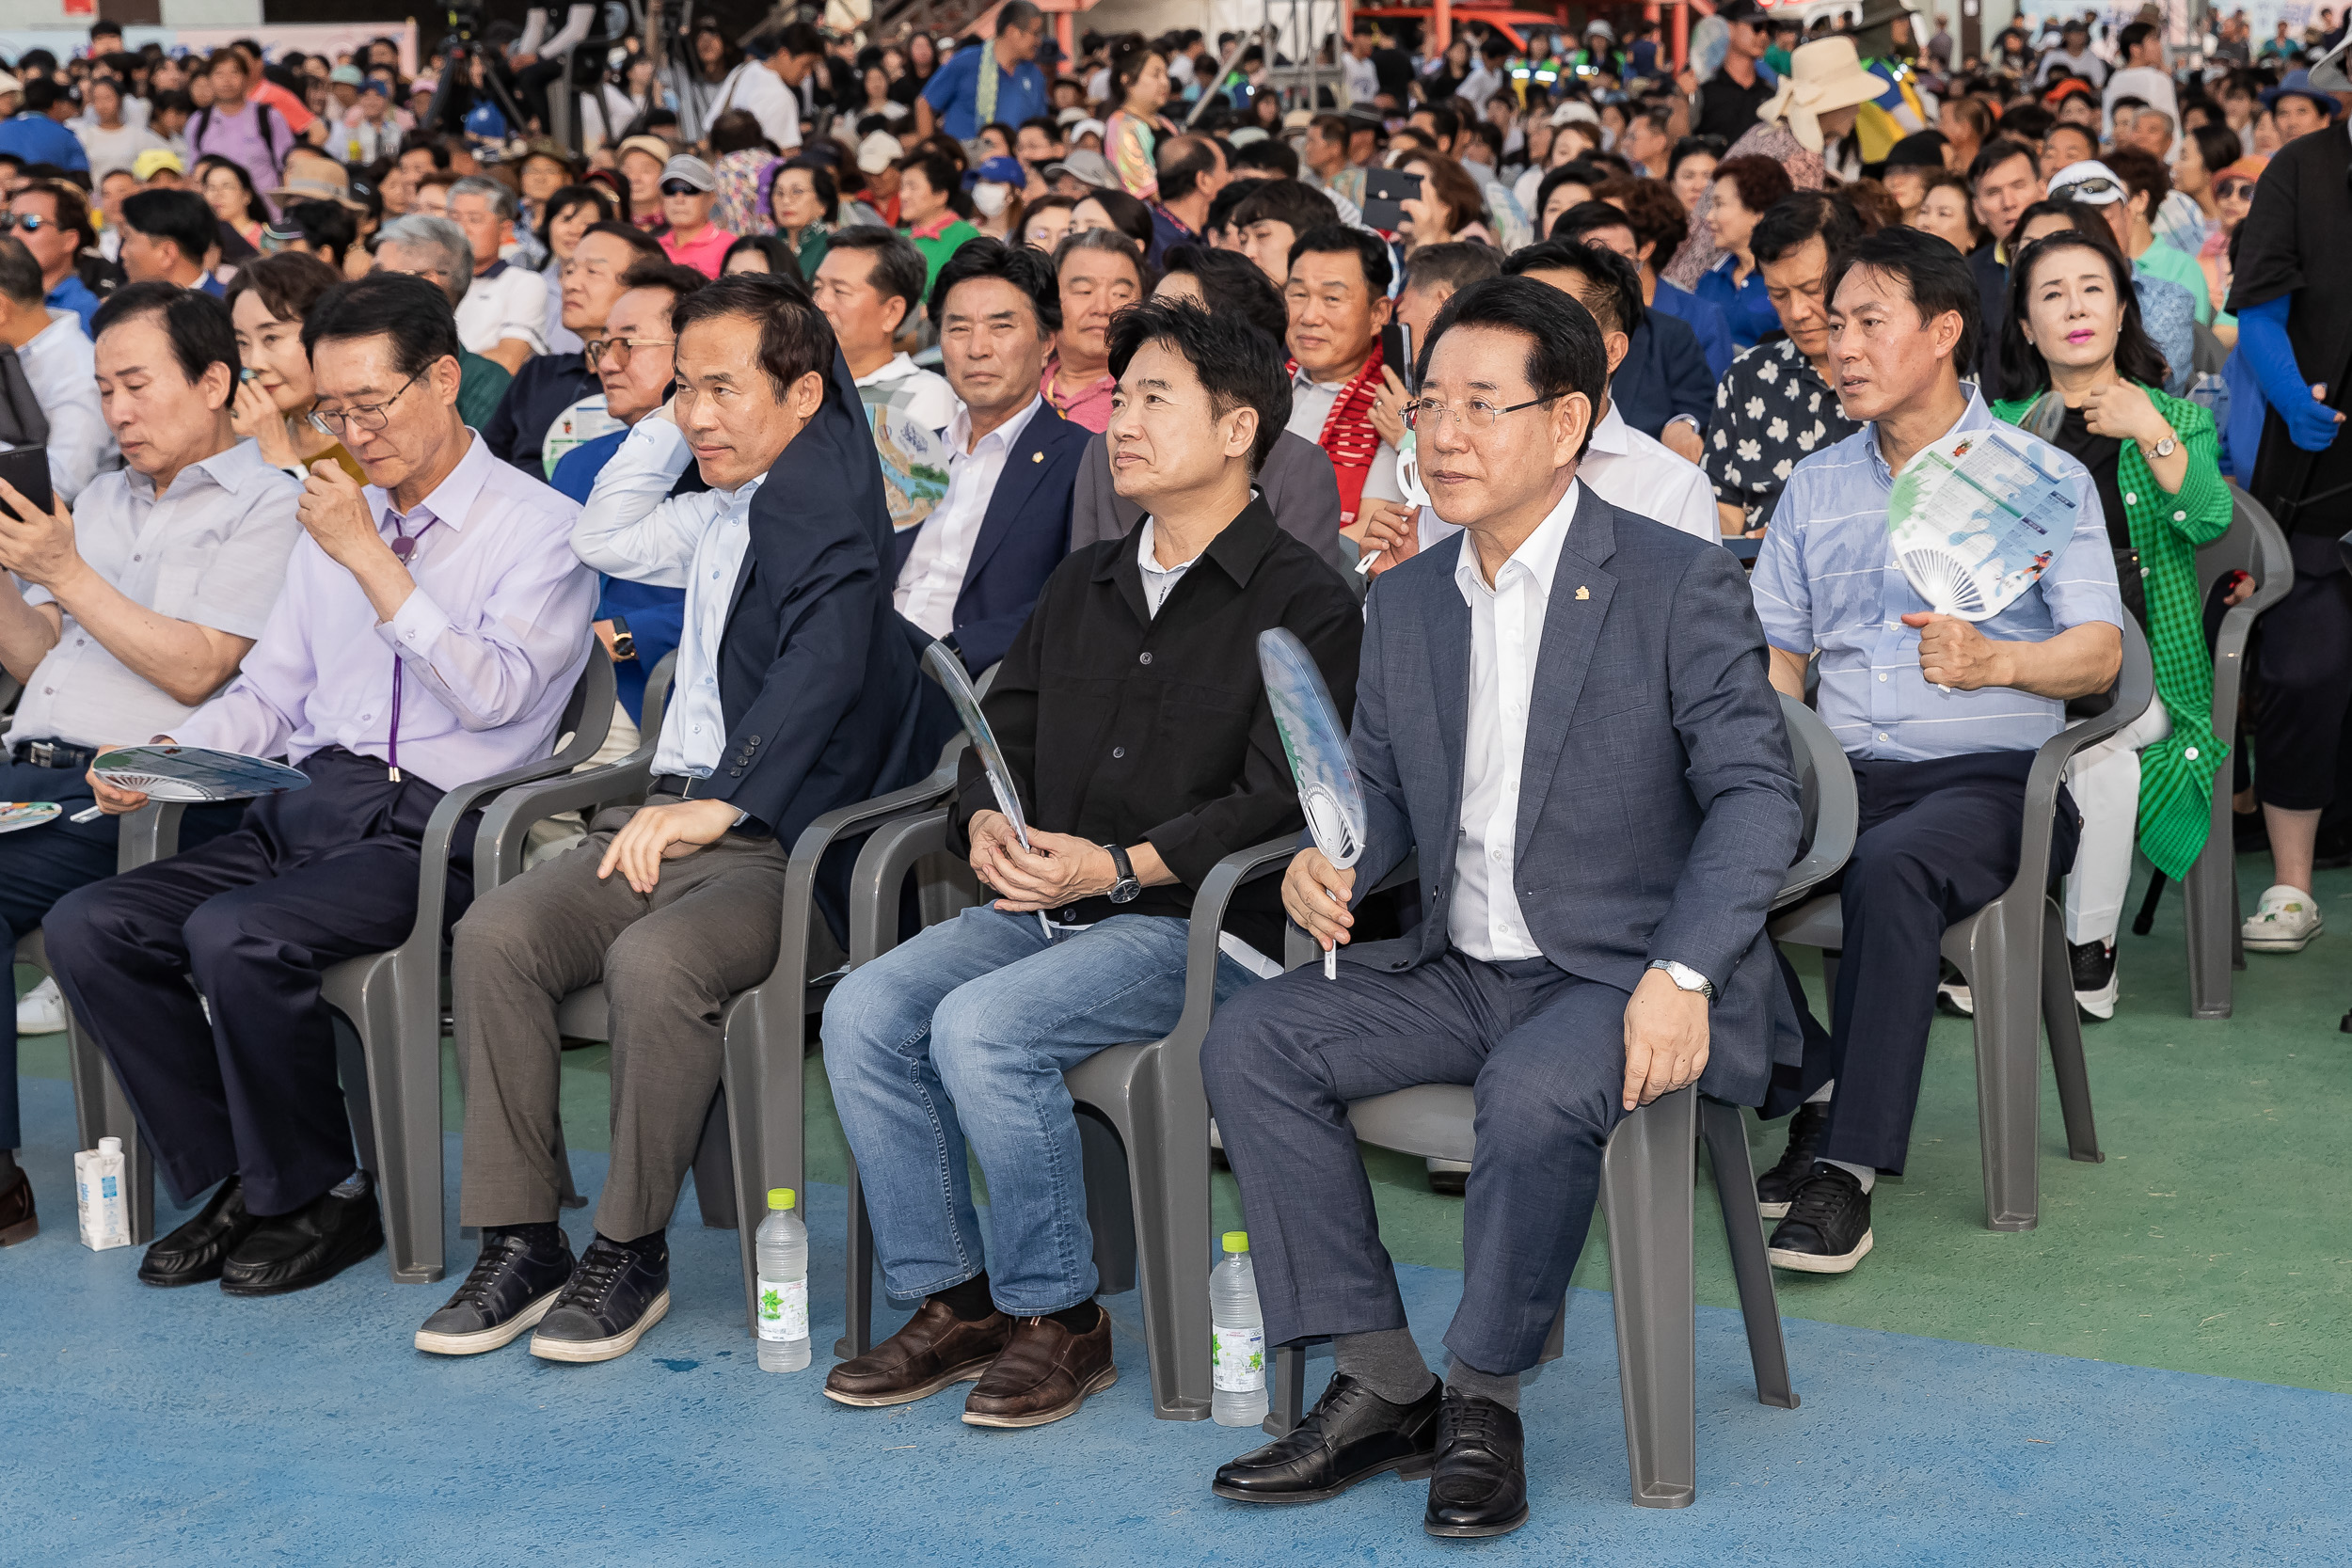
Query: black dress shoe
[[1828, 1227], [18, 1223], [1479, 1486], [309, 1246], [614, 1295], [195, 1252], [511, 1286], [1774, 1187], [1351, 1434]]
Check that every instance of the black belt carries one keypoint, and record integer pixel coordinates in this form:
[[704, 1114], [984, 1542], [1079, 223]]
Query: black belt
[[53, 753], [671, 783]]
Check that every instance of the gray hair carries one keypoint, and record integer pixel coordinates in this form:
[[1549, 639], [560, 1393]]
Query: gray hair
[[1109, 241], [438, 239], [500, 198]]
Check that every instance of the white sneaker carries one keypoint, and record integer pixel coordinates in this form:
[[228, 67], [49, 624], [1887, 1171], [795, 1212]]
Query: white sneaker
[[2285, 923], [42, 1010], [1956, 997]]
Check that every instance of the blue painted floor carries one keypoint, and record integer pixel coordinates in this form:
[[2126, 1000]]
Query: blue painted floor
[[185, 1428]]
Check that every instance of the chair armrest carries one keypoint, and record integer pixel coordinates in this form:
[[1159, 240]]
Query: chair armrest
[[507, 821], [1179, 1064], [881, 869], [821, 835], [150, 833], [2135, 689], [1837, 813]]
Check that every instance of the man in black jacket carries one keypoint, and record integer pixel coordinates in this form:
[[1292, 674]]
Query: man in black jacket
[[548, 385], [796, 692], [1135, 724]]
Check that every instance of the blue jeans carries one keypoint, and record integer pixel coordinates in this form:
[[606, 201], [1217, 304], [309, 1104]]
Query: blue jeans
[[961, 1036]]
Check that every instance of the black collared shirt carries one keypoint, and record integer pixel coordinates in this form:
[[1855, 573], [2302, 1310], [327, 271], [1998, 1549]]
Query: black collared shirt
[[1123, 727]]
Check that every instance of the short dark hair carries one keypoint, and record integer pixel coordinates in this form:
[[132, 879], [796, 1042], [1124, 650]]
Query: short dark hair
[[644, 244], [1338, 239], [2142, 173], [675, 277], [1290, 202], [1577, 171], [1182, 160], [2028, 120], [569, 198], [1237, 364], [1455, 264], [289, 283], [1565, 352], [798, 38], [821, 183], [1586, 216], [782, 261], [20, 275], [2133, 36], [1806, 215], [197, 323], [1934, 273], [1759, 180], [73, 206], [1032, 272], [400, 305], [1233, 285], [898, 267], [2136, 353], [1275, 156], [328, 225], [178, 215], [1993, 154], [1620, 281], [795, 339]]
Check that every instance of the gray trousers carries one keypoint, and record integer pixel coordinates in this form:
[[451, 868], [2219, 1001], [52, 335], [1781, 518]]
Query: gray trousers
[[669, 961]]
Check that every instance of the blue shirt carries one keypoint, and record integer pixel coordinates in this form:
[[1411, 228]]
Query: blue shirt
[[74, 295], [1747, 307], [1705, 318], [954, 92], [39, 139], [654, 615], [1826, 579]]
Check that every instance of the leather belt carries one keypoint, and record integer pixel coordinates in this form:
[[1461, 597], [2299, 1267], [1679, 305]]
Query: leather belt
[[672, 784], [54, 754]]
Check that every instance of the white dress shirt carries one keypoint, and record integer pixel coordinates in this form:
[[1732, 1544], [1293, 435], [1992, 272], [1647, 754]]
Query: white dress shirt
[[933, 579], [61, 368], [1506, 634], [633, 528], [506, 302], [488, 643], [210, 550], [761, 93]]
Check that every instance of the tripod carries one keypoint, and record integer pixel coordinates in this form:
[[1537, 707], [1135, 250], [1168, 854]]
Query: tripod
[[460, 50]]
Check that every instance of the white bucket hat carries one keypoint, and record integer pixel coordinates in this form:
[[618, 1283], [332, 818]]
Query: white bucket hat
[[1824, 75]]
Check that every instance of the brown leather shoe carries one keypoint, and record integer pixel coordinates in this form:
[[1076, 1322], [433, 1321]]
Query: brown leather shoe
[[1045, 1374], [18, 1223], [934, 1349]]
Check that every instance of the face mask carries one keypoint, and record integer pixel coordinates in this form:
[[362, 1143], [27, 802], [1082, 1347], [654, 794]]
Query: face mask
[[990, 197]]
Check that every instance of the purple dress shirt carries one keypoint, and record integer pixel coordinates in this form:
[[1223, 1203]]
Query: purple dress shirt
[[492, 638]]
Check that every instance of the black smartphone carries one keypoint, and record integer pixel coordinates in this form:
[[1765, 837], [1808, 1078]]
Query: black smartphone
[[1397, 354], [27, 469], [1385, 191]]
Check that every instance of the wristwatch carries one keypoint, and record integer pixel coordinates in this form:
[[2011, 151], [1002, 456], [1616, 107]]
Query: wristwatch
[[1685, 977], [624, 641], [1124, 890], [2166, 447]]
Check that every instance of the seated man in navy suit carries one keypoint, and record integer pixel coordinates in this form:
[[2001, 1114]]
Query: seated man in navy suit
[[969, 572], [1565, 709]]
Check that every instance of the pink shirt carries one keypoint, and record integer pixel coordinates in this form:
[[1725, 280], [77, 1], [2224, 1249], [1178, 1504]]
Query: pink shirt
[[703, 254], [1091, 407]]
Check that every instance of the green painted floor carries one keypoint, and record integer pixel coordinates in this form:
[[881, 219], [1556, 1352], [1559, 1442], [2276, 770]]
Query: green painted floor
[[2211, 1239]]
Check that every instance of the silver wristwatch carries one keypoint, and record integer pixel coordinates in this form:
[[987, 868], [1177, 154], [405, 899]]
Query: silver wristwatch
[[1685, 977], [2164, 448]]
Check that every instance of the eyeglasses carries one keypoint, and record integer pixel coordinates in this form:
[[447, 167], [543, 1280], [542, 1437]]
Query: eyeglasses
[[596, 348], [2229, 190], [366, 417], [1474, 413], [30, 223]]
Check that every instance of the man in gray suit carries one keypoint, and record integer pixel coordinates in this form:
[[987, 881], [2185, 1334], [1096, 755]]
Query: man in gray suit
[[1567, 714]]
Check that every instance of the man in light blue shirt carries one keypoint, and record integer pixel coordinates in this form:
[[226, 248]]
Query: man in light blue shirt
[[1940, 716], [992, 83]]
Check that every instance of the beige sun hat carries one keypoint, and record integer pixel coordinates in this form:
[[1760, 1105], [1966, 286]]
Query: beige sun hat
[[1824, 75]]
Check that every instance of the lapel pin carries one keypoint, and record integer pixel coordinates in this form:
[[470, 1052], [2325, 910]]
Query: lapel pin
[[1037, 457], [1582, 592]]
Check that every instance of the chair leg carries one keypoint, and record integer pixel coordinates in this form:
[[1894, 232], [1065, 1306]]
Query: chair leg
[[858, 1276], [1751, 1266], [761, 1079], [714, 1171], [396, 1094], [102, 1110], [1556, 1342], [2066, 1040], [1110, 1204], [1288, 1406], [2004, 976], [1649, 1174], [1171, 1220], [2209, 911]]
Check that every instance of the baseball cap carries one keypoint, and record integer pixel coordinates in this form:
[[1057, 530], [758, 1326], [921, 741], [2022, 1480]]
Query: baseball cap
[[1739, 10], [2090, 181], [652, 146], [1081, 127], [346, 75], [1001, 171], [878, 151], [1087, 168], [688, 169], [146, 163]]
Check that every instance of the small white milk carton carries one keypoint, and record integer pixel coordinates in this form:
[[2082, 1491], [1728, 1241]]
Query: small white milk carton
[[98, 1178]]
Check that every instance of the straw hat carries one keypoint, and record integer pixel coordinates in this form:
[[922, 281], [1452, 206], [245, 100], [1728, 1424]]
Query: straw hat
[[1824, 75]]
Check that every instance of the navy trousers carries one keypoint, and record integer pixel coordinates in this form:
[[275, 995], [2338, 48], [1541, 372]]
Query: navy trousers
[[251, 921], [1939, 841], [1544, 1052], [40, 865]]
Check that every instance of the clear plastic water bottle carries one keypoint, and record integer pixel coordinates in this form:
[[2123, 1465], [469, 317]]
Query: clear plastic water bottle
[[1237, 1332], [781, 1248]]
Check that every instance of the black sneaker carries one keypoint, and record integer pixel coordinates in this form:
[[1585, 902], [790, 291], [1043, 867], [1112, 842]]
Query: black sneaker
[[614, 1295], [1828, 1227], [2094, 964], [1806, 1130], [511, 1286]]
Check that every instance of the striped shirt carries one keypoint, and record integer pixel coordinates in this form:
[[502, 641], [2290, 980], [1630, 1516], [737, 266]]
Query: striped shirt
[[1827, 578]]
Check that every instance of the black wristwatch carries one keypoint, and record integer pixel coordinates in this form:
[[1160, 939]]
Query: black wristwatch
[[624, 641], [1124, 890]]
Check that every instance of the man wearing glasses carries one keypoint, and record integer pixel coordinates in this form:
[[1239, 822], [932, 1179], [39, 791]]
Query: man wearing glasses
[[429, 633], [1592, 935], [688, 191], [534, 421]]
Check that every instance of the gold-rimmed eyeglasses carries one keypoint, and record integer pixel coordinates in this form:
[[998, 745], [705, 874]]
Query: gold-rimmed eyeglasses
[[367, 418], [1471, 414], [596, 348]]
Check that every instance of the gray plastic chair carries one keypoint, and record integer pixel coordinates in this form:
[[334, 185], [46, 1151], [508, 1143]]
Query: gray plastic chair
[[753, 1138], [1143, 1128], [2012, 954], [388, 1006], [101, 1110], [2255, 545]]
